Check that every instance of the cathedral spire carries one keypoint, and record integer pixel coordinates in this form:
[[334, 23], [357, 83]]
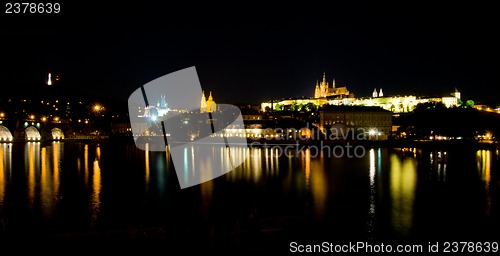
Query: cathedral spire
[[324, 78], [203, 103], [375, 93], [333, 83]]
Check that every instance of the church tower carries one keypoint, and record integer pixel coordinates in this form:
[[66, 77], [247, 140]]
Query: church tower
[[317, 92], [203, 104], [381, 94], [211, 106], [49, 79], [375, 93], [456, 93], [162, 106], [323, 86]]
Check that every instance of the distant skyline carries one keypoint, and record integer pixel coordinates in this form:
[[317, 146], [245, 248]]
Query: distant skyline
[[255, 53]]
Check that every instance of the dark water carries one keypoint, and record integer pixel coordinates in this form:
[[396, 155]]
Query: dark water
[[77, 197]]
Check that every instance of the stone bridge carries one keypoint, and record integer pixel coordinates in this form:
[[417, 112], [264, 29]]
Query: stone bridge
[[32, 131]]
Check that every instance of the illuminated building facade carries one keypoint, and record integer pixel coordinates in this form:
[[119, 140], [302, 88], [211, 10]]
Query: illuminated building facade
[[375, 122]]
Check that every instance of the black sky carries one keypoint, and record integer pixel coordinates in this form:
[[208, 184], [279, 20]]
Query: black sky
[[250, 51]]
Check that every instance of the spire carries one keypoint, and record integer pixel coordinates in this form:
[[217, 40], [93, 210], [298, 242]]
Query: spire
[[163, 103], [49, 80], [317, 94], [333, 83], [381, 94], [324, 78], [203, 103], [210, 97], [375, 94]]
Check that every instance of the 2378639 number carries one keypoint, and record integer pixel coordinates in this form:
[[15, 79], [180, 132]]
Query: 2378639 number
[[470, 247], [32, 8]]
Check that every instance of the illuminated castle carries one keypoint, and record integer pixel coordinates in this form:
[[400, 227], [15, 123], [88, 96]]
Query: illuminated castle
[[324, 94], [323, 90], [207, 105]]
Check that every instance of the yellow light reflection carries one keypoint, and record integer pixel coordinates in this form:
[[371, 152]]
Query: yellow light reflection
[[146, 173], [2, 176], [32, 148], [167, 160], [5, 169], [86, 165], [484, 159], [95, 202], [306, 159], [56, 153], [274, 161], [256, 164], [45, 184], [318, 184], [266, 157], [403, 178], [98, 152]]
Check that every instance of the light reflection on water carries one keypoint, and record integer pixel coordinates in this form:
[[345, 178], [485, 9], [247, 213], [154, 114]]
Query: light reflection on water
[[403, 181], [95, 201], [381, 189], [484, 160], [5, 169]]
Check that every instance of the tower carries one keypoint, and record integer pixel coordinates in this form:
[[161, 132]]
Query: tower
[[381, 94], [203, 104], [163, 103], [162, 106], [323, 87], [49, 80], [374, 94], [456, 93], [317, 92], [211, 106]]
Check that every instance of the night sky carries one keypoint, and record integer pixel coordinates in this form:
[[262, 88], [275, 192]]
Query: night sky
[[248, 52]]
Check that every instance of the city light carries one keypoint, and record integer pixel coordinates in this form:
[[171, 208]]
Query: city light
[[372, 132], [2, 114]]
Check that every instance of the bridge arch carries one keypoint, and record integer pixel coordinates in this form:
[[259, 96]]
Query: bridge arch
[[57, 134], [5, 134], [32, 133]]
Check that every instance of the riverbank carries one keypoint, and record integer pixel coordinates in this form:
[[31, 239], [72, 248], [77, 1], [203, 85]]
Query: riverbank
[[379, 143]]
